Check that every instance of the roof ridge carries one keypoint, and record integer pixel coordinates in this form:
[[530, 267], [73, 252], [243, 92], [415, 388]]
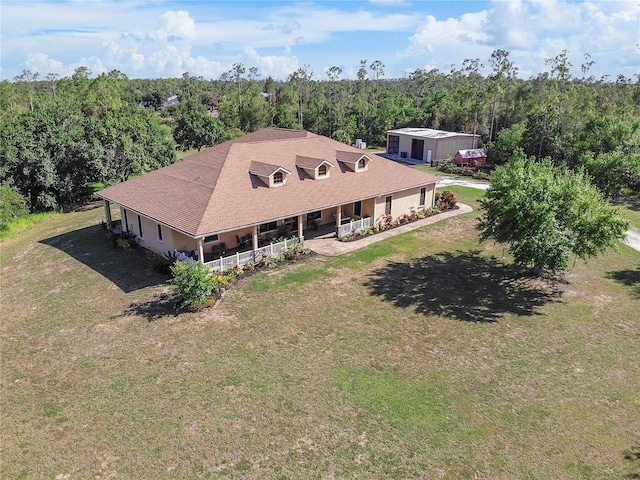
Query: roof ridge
[[228, 146]]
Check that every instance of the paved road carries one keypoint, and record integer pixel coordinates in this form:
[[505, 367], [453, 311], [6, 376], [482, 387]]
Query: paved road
[[633, 235]]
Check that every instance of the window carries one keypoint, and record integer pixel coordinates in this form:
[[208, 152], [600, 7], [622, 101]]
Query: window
[[314, 216], [387, 205], [423, 196], [268, 227], [362, 163], [322, 170], [140, 226], [357, 209], [278, 177], [159, 232], [211, 238]]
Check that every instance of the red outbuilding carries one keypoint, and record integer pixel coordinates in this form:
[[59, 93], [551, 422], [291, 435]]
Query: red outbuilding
[[470, 158]]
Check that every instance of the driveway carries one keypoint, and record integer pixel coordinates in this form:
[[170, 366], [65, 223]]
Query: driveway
[[633, 239], [464, 183], [633, 235]]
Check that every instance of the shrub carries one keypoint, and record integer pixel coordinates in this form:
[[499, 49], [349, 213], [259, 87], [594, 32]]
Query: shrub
[[445, 200], [194, 282], [479, 175], [404, 218], [12, 204], [384, 222], [124, 240], [233, 272], [163, 263]]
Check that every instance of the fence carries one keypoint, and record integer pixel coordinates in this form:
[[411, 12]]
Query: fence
[[352, 226], [255, 256]]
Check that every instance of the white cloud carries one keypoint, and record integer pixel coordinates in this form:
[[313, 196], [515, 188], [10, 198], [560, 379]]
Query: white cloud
[[174, 26], [40, 62], [144, 38], [535, 30], [271, 65]]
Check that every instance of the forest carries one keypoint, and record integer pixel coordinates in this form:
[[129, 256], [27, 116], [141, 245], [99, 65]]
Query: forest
[[63, 138]]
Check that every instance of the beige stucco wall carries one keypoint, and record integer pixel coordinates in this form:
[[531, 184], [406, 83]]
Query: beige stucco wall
[[149, 239], [403, 202]]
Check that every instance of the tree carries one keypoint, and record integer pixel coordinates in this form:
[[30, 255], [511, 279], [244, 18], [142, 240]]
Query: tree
[[508, 143], [546, 213], [197, 129]]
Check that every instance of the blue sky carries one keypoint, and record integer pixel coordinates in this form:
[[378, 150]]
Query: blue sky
[[165, 38]]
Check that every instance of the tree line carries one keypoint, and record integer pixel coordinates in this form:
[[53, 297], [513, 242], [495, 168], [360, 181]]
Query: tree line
[[62, 137]]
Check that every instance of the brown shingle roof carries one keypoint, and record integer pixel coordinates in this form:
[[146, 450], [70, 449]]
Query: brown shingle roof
[[212, 191], [350, 157], [311, 163], [265, 169]]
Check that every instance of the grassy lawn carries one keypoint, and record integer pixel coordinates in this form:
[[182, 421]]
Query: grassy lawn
[[433, 171], [423, 356]]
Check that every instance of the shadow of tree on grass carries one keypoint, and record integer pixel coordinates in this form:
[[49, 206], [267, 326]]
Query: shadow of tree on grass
[[633, 456], [130, 269], [630, 278], [462, 285], [632, 203], [162, 305]]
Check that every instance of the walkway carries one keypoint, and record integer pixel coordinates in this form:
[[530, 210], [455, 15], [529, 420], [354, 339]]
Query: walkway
[[332, 246]]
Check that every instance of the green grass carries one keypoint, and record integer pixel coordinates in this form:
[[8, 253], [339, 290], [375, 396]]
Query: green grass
[[423, 356], [432, 171], [630, 208], [180, 154], [22, 224]]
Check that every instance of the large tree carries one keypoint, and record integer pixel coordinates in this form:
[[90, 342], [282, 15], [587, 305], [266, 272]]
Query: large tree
[[197, 129], [546, 214]]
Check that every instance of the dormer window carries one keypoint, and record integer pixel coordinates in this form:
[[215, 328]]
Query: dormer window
[[356, 161], [270, 175], [316, 168]]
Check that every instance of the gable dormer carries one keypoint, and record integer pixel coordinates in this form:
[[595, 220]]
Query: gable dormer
[[316, 168], [356, 161], [271, 175]]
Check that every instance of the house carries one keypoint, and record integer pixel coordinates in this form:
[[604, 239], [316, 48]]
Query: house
[[428, 145], [470, 158], [244, 192]]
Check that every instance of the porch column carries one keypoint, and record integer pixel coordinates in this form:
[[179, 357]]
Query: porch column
[[339, 216], [254, 234], [201, 249], [300, 231], [375, 204], [107, 213]]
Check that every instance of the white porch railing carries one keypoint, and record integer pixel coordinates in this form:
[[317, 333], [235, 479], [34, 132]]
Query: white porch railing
[[356, 226], [242, 258]]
